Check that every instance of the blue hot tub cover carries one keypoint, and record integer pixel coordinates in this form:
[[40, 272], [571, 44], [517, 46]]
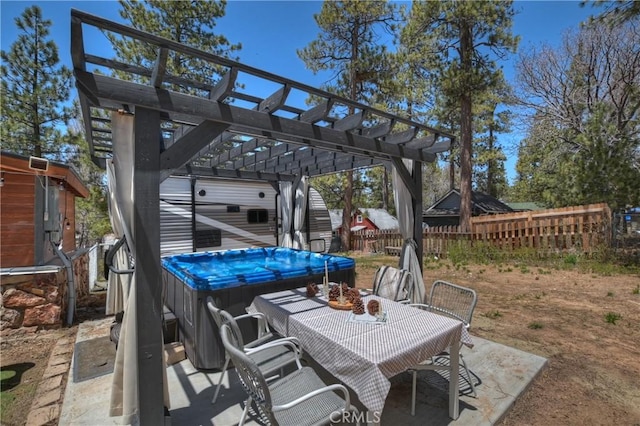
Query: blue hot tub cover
[[233, 268]]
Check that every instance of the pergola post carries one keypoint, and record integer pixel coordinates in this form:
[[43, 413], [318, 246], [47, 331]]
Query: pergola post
[[146, 232], [416, 204]]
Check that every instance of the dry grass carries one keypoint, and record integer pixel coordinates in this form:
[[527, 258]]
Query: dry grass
[[565, 316]]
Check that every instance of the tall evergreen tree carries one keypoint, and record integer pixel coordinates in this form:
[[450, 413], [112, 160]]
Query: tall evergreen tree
[[463, 40], [187, 22], [349, 45], [585, 101], [34, 89], [489, 175], [92, 215], [616, 12]]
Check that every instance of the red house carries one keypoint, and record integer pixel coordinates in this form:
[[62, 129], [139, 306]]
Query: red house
[[370, 219]]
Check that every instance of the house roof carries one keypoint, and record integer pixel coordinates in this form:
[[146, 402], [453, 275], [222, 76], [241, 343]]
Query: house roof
[[524, 206], [10, 162], [379, 217], [481, 203], [336, 218]]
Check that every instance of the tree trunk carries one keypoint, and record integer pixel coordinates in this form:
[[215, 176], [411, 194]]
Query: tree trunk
[[346, 213], [466, 129], [385, 188], [348, 191], [452, 169], [491, 186]]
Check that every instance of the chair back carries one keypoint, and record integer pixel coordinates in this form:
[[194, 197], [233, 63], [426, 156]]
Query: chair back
[[392, 283], [221, 317], [453, 301], [250, 375]]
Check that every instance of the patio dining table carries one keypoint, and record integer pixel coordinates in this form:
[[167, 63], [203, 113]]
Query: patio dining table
[[364, 355]]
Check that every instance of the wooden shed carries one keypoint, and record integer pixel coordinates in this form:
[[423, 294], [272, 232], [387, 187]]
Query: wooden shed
[[37, 207]]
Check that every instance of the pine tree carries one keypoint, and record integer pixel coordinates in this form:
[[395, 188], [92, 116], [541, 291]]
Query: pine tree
[[92, 215], [616, 12], [489, 175], [460, 42], [349, 45], [34, 89], [585, 101], [187, 22]]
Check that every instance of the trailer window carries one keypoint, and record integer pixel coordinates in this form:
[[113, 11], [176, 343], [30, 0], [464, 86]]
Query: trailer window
[[208, 238], [257, 216]]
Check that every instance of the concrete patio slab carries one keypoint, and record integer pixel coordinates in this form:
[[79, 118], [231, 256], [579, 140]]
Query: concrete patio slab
[[502, 374]]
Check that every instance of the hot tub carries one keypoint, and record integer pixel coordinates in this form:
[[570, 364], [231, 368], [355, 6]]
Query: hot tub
[[233, 278]]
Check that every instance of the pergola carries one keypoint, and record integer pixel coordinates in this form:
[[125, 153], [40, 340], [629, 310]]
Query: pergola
[[151, 124]]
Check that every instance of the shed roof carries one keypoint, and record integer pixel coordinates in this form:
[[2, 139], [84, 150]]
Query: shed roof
[[336, 218], [10, 162], [524, 206], [482, 203], [379, 217]]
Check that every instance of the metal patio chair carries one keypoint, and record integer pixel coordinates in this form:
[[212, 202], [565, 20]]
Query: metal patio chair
[[271, 352], [453, 301], [299, 398], [393, 283]]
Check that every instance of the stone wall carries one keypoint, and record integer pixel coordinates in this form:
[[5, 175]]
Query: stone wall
[[40, 300], [33, 300]]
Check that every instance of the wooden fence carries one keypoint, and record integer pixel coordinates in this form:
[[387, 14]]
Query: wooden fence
[[581, 229]]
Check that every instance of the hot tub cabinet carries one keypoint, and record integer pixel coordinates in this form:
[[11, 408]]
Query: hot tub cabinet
[[233, 278]]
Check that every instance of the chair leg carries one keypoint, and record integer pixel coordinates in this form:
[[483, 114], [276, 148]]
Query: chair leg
[[356, 412], [247, 403], [413, 392], [224, 371], [473, 387]]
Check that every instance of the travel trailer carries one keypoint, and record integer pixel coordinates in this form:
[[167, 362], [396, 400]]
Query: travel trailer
[[205, 214]]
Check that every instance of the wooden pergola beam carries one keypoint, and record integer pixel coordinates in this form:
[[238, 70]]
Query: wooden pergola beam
[[188, 145], [225, 173], [257, 123], [160, 67]]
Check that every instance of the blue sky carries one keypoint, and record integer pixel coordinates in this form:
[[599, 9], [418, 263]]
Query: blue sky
[[272, 31]]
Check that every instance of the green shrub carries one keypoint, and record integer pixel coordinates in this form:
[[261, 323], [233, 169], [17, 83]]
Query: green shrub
[[493, 314], [612, 317], [458, 252], [571, 259], [535, 325]]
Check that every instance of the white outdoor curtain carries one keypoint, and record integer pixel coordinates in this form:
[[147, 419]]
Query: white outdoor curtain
[[406, 221], [299, 213], [286, 197], [124, 387], [119, 284]]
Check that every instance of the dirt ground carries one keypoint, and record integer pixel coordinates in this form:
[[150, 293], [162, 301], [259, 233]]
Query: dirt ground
[[26, 351], [593, 374]]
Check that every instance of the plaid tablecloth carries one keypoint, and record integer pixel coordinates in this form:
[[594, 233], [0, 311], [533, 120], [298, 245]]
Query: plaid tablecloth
[[363, 356]]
